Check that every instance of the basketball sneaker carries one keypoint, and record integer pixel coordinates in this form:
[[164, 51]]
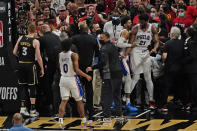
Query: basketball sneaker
[[24, 111], [130, 108], [152, 105], [34, 113]]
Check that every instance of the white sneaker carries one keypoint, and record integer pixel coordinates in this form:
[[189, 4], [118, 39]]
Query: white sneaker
[[34, 113], [24, 111]]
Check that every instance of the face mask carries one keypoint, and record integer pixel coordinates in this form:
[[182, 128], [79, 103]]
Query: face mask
[[155, 24], [152, 15], [181, 14], [115, 21], [102, 42], [158, 57]]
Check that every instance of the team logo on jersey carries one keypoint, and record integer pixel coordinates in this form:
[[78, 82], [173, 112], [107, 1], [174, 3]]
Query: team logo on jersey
[[1, 34]]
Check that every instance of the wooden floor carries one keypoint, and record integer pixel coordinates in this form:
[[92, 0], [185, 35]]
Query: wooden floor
[[175, 119]]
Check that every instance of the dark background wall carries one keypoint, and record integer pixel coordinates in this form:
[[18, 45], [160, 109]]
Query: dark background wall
[[8, 79]]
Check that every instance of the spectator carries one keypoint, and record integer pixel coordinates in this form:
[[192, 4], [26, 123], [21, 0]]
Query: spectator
[[134, 8], [113, 27], [182, 20], [63, 19], [17, 122], [147, 4]]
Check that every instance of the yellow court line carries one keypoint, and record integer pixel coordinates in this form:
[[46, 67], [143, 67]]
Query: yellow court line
[[2, 120]]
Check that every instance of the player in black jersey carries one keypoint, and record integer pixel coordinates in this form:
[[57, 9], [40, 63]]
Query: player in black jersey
[[25, 49]]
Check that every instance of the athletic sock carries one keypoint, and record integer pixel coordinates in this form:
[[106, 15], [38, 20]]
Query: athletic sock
[[127, 101], [83, 120], [61, 120], [32, 106]]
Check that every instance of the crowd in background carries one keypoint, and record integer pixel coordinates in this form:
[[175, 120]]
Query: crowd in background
[[172, 63]]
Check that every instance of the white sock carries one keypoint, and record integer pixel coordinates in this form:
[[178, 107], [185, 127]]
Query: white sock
[[83, 120], [127, 101], [61, 120]]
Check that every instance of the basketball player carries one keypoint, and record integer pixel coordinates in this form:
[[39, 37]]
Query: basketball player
[[25, 49], [142, 35], [123, 43], [69, 82]]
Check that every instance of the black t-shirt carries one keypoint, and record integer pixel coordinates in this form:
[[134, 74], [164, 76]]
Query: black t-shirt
[[26, 50], [174, 50]]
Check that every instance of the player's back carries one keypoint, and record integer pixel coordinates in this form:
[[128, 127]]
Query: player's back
[[66, 64], [26, 50]]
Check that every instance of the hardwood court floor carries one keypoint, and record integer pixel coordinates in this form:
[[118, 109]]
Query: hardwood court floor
[[175, 119]]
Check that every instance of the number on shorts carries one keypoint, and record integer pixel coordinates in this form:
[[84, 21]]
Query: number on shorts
[[24, 52], [142, 43], [65, 68]]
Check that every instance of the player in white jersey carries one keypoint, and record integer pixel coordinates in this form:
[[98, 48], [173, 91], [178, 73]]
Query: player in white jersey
[[142, 35], [123, 43], [69, 82]]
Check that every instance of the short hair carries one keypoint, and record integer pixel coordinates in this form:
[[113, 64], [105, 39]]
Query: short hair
[[144, 16], [66, 45], [182, 7], [92, 25], [50, 21], [89, 6], [175, 31], [31, 28], [83, 28], [17, 117], [190, 31], [124, 20], [106, 34], [45, 7]]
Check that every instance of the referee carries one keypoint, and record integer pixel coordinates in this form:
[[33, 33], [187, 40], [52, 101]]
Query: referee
[[25, 49]]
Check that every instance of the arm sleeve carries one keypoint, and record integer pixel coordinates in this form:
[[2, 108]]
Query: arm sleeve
[[122, 43]]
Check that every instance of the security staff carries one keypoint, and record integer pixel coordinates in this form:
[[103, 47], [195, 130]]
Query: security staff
[[111, 74], [25, 49], [190, 70], [50, 43], [87, 49]]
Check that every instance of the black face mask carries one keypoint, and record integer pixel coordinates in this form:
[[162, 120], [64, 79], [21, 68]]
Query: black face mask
[[99, 31], [82, 12], [116, 22], [102, 42]]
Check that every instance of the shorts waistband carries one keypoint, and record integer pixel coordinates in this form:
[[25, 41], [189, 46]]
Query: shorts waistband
[[25, 62]]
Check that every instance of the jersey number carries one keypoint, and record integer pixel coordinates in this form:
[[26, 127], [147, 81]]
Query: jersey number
[[142, 43], [65, 68], [24, 52]]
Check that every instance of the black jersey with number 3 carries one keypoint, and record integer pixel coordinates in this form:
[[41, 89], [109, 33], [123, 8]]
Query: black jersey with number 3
[[26, 50]]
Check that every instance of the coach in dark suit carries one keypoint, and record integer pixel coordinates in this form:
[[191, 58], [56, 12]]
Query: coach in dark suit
[[87, 48], [190, 69]]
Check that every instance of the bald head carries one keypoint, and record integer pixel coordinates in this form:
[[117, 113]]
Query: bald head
[[17, 119]]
